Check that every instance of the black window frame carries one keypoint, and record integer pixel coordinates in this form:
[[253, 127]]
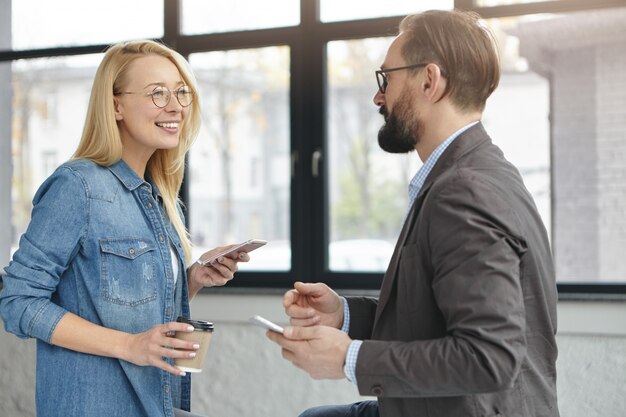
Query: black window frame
[[307, 42]]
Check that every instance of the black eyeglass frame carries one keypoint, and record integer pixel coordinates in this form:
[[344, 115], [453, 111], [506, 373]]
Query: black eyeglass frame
[[185, 89], [381, 75]]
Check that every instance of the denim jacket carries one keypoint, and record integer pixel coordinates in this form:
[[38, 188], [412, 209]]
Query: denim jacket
[[98, 245]]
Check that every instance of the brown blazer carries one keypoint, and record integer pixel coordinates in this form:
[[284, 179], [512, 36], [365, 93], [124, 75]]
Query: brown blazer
[[466, 319]]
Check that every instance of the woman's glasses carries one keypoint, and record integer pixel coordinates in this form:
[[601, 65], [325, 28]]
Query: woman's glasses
[[161, 96]]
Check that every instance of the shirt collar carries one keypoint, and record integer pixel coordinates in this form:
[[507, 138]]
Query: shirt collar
[[127, 176], [420, 177]]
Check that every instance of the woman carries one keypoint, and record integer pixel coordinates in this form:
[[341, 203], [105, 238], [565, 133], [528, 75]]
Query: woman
[[101, 273]]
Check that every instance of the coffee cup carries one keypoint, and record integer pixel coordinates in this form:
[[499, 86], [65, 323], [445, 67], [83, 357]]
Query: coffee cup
[[202, 332]]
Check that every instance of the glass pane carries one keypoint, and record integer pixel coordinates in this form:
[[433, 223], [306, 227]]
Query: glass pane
[[580, 56], [240, 164], [6, 162], [367, 187], [50, 98], [201, 16], [79, 22], [332, 10]]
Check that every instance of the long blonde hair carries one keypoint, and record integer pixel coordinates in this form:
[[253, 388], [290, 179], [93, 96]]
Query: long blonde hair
[[101, 141]]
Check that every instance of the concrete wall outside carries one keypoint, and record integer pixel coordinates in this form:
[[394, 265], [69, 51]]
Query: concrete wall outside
[[246, 376]]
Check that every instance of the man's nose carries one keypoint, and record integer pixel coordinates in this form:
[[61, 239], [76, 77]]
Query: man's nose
[[379, 98]]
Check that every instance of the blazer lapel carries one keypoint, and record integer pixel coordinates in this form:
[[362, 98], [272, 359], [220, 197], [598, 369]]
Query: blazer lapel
[[466, 142], [391, 273]]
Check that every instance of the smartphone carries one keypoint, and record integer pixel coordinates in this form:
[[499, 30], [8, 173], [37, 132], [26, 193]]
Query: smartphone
[[265, 323], [233, 252]]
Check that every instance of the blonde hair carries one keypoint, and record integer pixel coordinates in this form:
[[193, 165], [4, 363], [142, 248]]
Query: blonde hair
[[101, 141]]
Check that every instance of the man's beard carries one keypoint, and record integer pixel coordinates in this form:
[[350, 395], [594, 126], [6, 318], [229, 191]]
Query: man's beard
[[402, 127]]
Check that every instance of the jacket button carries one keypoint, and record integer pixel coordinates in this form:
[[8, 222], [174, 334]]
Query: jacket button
[[131, 251], [377, 390]]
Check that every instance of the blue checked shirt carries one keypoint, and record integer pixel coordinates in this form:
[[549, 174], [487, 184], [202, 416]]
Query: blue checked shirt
[[415, 186]]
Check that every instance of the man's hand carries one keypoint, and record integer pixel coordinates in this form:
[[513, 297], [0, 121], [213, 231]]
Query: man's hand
[[313, 304], [318, 350]]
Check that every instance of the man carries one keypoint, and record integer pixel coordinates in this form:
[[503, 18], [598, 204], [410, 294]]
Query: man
[[466, 319]]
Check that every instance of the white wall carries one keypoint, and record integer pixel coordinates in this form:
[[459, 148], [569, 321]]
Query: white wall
[[246, 375]]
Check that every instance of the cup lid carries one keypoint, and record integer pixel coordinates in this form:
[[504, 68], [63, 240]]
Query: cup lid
[[197, 324]]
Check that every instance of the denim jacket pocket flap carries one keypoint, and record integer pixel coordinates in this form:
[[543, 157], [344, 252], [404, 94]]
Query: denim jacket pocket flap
[[128, 248]]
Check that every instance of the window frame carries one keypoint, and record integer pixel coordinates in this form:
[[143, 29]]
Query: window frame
[[307, 42]]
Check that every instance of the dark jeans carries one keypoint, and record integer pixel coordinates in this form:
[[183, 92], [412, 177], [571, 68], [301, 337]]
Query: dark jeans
[[361, 409]]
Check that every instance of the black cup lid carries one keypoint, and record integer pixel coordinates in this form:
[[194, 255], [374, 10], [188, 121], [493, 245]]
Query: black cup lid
[[206, 326]]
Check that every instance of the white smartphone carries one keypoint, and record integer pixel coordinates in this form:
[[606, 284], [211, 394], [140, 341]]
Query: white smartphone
[[266, 324], [233, 252]]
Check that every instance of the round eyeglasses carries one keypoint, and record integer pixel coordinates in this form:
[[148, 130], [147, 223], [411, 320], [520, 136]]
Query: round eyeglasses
[[161, 96]]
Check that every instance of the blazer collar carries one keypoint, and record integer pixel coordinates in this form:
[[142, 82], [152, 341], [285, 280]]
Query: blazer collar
[[466, 142]]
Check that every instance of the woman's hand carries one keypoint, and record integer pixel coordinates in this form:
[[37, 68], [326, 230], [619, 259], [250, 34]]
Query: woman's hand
[[216, 273], [149, 348]]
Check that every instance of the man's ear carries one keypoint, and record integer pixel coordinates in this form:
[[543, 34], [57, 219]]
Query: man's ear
[[433, 84], [117, 106]]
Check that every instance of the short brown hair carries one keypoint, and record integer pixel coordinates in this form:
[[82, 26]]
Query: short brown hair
[[462, 47]]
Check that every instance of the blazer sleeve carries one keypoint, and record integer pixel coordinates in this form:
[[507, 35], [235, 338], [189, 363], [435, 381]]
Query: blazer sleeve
[[362, 314], [475, 249]]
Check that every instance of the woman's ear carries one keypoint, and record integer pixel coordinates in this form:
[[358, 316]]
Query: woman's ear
[[117, 106]]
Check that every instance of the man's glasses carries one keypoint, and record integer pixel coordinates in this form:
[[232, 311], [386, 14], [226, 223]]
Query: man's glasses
[[161, 96], [381, 75]]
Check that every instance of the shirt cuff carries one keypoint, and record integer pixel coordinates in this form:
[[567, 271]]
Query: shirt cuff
[[346, 316], [349, 369]]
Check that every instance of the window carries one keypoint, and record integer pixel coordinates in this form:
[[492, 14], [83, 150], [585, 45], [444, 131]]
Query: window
[[367, 197], [368, 188], [239, 187], [200, 16], [59, 85], [576, 186], [288, 149], [77, 22]]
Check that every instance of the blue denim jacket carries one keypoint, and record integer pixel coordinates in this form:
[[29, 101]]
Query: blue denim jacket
[[98, 245]]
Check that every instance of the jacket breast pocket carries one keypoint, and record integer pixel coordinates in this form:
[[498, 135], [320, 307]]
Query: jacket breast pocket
[[128, 271]]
